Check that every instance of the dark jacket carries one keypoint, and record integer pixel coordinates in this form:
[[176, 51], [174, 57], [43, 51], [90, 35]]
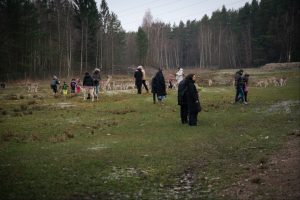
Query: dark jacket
[[54, 82], [238, 79], [182, 93], [96, 77], [138, 75], [192, 97], [158, 84], [88, 80]]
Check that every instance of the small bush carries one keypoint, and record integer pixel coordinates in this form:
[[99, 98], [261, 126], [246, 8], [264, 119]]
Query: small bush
[[32, 102], [7, 136], [23, 107], [11, 97]]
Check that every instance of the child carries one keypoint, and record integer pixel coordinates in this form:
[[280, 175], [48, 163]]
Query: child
[[65, 88], [77, 86], [73, 85]]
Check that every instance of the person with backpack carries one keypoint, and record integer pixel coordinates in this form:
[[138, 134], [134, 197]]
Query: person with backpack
[[54, 84], [193, 101], [182, 101]]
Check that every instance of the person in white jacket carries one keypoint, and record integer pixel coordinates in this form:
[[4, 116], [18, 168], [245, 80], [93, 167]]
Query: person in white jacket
[[143, 78], [179, 75]]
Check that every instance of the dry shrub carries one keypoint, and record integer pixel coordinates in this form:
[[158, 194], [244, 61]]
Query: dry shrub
[[7, 136], [58, 138], [12, 97], [35, 137], [4, 112], [23, 107], [68, 134], [32, 102], [17, 114], [61, 138]]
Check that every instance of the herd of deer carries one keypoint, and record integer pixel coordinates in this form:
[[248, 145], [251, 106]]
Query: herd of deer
[[266, 82], [108, 84]]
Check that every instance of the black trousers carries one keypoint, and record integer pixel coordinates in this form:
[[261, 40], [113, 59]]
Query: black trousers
[[193, 117], [139, 88], [154, 97], [184, 113], [246, 95], [145, 85]]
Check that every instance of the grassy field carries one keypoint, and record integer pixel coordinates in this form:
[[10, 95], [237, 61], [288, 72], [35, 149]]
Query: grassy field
[[126, 147]]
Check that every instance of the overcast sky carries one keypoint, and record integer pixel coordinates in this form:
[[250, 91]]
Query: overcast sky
[[131, 12]]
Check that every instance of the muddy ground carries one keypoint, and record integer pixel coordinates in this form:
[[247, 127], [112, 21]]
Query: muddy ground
[[277, 178]]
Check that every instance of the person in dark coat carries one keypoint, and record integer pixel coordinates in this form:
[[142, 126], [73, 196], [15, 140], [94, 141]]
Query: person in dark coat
[[96, 77], [193, 101], [87, 80], [54, 84], [238, 82], [159, 86], [182, 101], [138, 75], [245, 87]]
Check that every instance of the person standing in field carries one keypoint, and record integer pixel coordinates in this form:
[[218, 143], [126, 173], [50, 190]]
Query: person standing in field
[[179, 75], [73, 86], [245, 87], [54, 84], [138, 75], [193, 101], [159, 87], [144, 78], [182, 101], [238, 82], [88, 82], [65, 88], [96, 78]]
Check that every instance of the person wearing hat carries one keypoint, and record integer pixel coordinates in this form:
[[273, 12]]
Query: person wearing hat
[[138, 75], [144, 78]]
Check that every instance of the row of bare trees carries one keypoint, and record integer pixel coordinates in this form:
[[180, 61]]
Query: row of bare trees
[[67, 37], [255, 34]]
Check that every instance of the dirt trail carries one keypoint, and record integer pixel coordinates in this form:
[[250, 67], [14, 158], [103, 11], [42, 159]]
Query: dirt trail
[[278, 178]]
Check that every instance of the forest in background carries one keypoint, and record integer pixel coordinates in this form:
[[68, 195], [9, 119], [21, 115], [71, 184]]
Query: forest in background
[[40, 38]]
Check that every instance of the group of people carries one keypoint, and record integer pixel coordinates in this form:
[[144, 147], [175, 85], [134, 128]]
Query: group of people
[[241, 85], [188, 96], [88, 82]]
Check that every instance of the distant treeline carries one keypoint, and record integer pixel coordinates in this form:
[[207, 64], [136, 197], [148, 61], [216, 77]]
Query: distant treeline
[[67, 37]]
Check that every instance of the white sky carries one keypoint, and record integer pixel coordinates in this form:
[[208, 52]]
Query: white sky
[[131, 12]]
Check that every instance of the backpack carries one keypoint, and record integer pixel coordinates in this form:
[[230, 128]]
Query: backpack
[[53, 82]]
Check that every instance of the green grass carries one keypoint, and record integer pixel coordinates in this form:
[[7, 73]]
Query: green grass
[[126, 147]]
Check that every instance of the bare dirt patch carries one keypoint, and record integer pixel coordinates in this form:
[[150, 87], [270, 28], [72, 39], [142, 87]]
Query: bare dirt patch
[[277, 178]]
